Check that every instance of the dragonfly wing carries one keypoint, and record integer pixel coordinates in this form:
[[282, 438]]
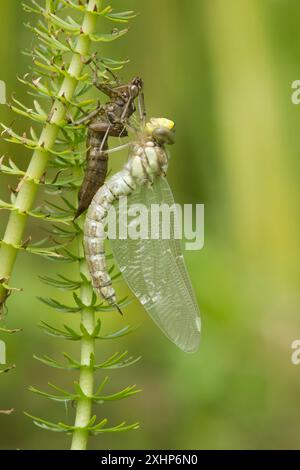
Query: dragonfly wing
[[155, 271]]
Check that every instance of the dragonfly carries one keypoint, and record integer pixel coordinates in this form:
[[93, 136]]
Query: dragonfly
[[154, 269], [106, 120]]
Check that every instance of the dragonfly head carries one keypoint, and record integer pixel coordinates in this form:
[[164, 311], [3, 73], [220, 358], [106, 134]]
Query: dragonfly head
[[162, 130]]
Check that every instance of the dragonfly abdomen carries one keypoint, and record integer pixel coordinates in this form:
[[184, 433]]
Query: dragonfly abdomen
[[94, 233], [96, 170], [145, 162]]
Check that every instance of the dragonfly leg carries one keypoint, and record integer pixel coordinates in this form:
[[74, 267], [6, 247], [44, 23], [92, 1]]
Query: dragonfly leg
[[105, 138], [124, 113], [141, 104], [105, 86], [91, 59], [114, 76], [142, 108], [88, 117], [132, 95], [118, 148]]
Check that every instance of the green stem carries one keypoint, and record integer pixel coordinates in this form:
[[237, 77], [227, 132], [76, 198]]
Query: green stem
[[38, 164], [86, 378]]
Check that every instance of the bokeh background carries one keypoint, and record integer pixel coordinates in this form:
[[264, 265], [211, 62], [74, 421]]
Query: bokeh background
[[223, 72]]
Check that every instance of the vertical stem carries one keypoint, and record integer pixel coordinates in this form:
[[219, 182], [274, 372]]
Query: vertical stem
[[17, 219], [86, 378]]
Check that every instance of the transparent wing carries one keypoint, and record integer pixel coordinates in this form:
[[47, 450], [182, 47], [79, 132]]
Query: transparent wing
[[155, 271]]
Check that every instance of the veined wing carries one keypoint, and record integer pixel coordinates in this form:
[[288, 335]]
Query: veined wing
[[155, 271]]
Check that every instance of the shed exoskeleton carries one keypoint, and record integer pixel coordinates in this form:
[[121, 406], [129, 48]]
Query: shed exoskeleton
[[107, 120]]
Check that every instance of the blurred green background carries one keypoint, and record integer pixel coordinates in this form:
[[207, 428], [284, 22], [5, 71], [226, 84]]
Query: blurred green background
[[223, 72]]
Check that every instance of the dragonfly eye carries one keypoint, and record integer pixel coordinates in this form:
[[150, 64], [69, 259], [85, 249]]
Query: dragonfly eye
[[162, 135]]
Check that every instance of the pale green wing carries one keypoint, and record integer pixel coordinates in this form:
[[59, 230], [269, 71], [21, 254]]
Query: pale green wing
[[156, 273]]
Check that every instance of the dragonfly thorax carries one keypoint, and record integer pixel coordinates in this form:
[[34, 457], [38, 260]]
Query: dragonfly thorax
[[147, 162]]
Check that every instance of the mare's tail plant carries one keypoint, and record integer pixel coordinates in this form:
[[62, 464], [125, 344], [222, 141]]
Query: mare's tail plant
[[66, 33], [63, 46]]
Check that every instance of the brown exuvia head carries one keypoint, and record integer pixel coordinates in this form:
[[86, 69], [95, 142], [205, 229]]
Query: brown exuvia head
[[136, 86]]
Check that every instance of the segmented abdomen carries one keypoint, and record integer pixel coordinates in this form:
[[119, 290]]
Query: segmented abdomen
[[96, 170], [94, 233], [144, 164]]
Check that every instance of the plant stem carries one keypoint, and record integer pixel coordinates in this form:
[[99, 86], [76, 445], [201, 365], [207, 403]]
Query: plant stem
[[38, 164], [86, 378]]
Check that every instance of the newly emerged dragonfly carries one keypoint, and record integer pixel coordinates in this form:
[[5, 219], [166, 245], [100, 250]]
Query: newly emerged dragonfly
[[107, 120], [154, 269]]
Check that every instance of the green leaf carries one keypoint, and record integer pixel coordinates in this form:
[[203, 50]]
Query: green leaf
[[12, 169], [73, 363], [50, 40], [47, 425], [99, 428], [79, 301], [45, 252], [97, 329], [6, 205], [41, 213], [63, 283], [69, 204], [65, 25], [39, 116], [48, 361], [74, 258], [30, 9], [119, 333], [62, 232], [37, 86], [78, 7], [115, 34], [58, 306], [58, 389], [56, 211], [113, 64], [118, 361], [121, 17], [21, 140], [64, 398], [64, 334], [125, 393], [71, 331]]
